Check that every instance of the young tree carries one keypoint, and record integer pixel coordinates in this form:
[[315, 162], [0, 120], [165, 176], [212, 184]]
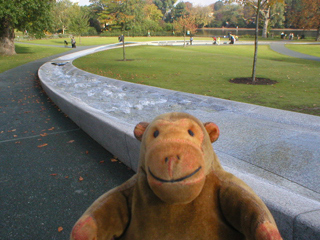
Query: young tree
[[122, 13], [31, 15], [255, 56], [184, 24]]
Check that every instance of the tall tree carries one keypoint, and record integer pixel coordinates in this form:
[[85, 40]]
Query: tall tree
[[308, 17], [265, 12], [31, 15], [202, 15], [61, 15], [79, 20], [165, 6], [152, 12]]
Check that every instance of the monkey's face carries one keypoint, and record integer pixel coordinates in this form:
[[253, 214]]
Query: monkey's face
[[174, 161]]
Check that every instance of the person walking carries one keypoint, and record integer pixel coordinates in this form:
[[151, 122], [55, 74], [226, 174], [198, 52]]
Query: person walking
[[73, 42]]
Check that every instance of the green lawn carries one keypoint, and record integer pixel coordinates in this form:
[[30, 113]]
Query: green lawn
[[206, 70], [27, 53], [313, 50], [89, 41]]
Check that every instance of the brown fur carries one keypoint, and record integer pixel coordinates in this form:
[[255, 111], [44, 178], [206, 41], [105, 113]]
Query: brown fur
[[179, 192]]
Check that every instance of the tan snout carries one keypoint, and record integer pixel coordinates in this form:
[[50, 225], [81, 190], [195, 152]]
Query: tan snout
[[175, 170]]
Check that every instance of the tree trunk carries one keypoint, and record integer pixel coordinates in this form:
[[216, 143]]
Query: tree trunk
[[184, 36], [124, 52], [256, 44], [6, 38], [266, 20]]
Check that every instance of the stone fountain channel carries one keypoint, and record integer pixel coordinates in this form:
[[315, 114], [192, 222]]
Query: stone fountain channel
[[276, 152]]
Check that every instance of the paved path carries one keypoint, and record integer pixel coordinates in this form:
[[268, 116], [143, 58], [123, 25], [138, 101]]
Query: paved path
[[43, 155], [280, 48]]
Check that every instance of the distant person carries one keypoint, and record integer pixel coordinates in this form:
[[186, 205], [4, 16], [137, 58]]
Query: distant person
[[121, 38], [231, 39], [73, 42], [218, 40], [282, 35], [65, 43], [191, 39], [214, 40]]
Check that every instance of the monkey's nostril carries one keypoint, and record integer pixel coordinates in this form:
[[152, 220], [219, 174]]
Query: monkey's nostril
[[166, 159], [178, 157]]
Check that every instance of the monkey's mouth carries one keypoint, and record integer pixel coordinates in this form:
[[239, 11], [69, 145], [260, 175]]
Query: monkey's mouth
[[174, 180]]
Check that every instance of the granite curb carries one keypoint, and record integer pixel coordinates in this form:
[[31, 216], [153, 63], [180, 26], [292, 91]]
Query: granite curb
[[294, 200]]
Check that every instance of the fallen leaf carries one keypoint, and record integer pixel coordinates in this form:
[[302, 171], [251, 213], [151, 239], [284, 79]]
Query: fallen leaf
[[43, 134], [71, 141], [87, 152], [113, 160], [101, 161], [15, 135], [80, 178], [66, 177], [50, 129], [53, 174], [60, 229], [42, 145]]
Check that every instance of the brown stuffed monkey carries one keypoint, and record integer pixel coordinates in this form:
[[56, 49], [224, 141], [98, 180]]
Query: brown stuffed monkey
[[179, 192]]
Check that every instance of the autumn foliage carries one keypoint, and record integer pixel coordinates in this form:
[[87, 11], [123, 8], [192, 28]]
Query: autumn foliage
[[306, 15]]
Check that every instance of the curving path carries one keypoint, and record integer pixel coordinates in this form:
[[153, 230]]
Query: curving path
[[280, 48]]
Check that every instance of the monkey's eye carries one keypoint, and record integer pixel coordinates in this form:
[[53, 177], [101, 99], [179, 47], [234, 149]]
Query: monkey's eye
[[156, 133], [190, 133]]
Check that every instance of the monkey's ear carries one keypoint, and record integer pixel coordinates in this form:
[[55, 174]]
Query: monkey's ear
[[212, 130], [140, 129]]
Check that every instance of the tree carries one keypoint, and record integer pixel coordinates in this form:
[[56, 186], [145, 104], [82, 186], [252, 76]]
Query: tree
[[152, 12], [184, 24], [31, 15], [202, 15], [255, 56], [308, 16], [165, 6], [121, 13], [118, 12], [61, 15], [79, 20], [264, 11]]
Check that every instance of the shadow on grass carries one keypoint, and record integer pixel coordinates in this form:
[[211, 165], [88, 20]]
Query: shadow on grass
[[24, 49]]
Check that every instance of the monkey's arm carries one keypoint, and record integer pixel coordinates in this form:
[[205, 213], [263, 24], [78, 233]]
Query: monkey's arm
[[245, 211], [107, 217]]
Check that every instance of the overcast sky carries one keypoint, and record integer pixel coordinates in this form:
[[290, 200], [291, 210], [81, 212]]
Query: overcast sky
[[195, 2]]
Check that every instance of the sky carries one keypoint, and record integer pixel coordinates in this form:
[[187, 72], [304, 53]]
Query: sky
[[194, 2]]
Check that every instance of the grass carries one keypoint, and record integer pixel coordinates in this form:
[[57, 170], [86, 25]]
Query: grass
[[206, 70], [89, 41], [313, 50], [27, 53]]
